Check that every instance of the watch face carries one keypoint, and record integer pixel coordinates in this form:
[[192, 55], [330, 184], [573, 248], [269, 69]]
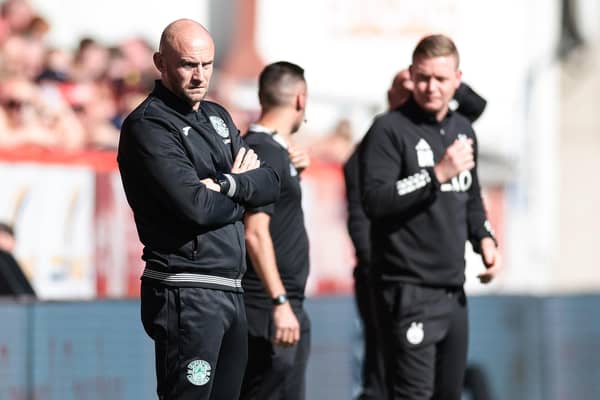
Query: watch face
[[223, 183]]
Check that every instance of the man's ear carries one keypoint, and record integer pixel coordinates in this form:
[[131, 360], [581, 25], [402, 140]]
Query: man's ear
[[300, 101], [158, 61], [458, 77]]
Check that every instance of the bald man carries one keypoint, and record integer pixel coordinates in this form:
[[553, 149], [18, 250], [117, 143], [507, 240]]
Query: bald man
[[188, 177]]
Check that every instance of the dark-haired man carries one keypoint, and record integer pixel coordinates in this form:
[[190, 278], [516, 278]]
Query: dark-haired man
[[421, 191], [279, 329]]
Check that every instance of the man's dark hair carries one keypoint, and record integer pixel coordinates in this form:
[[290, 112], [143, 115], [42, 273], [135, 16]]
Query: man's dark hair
[[436, 46], [7, 229], [274, 83]]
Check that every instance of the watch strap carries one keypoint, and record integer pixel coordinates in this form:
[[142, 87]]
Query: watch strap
[[281, 299]]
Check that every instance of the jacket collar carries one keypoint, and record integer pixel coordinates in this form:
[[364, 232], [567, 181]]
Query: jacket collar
[[417, 114], [263, 129], [170, 99]]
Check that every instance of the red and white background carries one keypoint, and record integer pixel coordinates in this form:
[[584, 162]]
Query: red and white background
[[350, 51], [75, 233]]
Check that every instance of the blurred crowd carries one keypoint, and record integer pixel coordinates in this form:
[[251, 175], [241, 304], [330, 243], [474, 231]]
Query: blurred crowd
[[61, 99], [75, 99]]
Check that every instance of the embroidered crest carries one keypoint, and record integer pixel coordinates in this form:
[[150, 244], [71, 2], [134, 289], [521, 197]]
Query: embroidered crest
[[424, 154], [415, 333], [220, 126], [198, 372]]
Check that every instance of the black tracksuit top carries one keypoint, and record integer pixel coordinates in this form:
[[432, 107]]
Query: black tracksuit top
[[419, 227], [192, 236]]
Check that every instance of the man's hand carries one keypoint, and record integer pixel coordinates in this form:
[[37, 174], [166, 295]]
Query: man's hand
[[457, 158], [287, 327], [245, 160], [299, 158], [401, 89], [211, 184], [492, 260]]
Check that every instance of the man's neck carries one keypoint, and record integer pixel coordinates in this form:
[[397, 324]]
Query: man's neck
[[276, 123], [440, 115]]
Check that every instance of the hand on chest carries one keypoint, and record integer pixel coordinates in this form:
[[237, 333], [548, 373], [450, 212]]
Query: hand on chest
[[425, 149]]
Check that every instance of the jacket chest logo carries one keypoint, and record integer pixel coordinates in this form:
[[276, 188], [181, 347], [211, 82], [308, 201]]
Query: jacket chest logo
[[424, 154], [186, 130], [220, 127]]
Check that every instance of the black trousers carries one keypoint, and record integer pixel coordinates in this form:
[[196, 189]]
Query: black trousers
[[425, 333], [275, 372], [200, 339], [373, 379]]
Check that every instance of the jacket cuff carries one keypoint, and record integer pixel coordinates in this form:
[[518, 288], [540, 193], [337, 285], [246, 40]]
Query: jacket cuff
[[232, 185], [434, 181], [486, 231]]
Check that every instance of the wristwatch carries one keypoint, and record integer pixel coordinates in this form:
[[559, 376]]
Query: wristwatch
[[223, 182], [281, 299]]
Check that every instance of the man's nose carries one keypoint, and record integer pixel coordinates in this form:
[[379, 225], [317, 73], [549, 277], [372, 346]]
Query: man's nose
[[198, 73], [432, 84]]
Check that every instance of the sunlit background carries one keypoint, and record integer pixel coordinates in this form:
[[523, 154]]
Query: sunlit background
[[71, 70]]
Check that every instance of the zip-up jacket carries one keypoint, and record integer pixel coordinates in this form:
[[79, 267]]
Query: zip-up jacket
[[192, 236], [419, 227]]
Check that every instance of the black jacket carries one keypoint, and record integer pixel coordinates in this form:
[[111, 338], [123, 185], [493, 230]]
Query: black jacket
[[193, 236], [419, 227], [468, 103]]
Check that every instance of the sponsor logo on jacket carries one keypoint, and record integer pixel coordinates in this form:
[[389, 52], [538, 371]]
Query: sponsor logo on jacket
[[460, 183]]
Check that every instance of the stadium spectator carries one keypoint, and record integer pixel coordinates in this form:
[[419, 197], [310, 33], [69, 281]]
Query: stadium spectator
[[22, 57], [90, 62], [17, 16], [8, 241], [56, 67], [13, 281], [95, 108], [20, 102], [34, 116]]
